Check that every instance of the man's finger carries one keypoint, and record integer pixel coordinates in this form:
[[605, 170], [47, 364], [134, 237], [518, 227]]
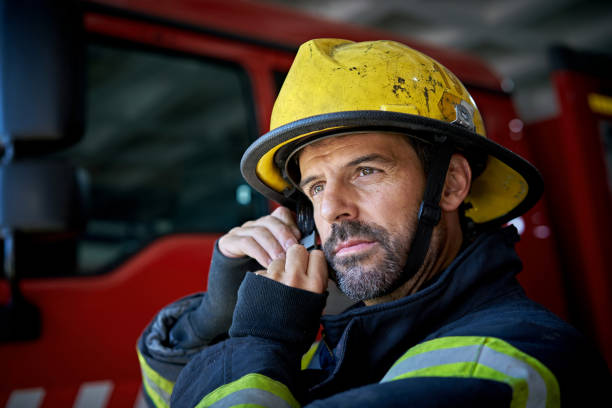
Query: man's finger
[[248, 246], [276, 270], [284, 234], [287, 217], [253, 241], [297, 261], [317, 272], [266, 239]]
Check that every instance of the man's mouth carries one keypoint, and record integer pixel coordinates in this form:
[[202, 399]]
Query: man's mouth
[[354, 246]]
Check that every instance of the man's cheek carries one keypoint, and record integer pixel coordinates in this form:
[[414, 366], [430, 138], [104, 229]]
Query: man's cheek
[[324, 232]]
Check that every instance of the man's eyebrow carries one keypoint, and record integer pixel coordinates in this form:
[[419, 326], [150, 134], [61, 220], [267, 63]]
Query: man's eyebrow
[[374, 157], [307, 180]]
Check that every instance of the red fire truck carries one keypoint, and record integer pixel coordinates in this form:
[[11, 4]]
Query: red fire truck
[[123, 124]]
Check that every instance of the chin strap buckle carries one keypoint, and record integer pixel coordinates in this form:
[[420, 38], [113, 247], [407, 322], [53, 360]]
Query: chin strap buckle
[[310, 241]]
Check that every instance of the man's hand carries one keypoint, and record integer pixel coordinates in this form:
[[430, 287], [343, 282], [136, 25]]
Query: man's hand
[[264, 239], [300, 269]]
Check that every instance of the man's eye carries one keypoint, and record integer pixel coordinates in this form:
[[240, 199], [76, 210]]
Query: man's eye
[[316, 189], [366, 171]]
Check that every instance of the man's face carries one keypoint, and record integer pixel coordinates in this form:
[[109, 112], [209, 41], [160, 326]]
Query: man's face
[[365, 189]]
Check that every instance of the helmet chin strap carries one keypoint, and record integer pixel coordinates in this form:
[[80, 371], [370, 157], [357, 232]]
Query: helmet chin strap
[[429, 211]]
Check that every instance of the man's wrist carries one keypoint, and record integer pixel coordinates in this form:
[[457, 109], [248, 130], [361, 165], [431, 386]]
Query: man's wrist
[[269, 309]]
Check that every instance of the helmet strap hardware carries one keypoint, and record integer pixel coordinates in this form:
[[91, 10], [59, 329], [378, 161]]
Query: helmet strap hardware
[[464, 116]]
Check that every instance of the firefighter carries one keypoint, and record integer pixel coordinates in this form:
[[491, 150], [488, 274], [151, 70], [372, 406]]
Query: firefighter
[[381, 153]]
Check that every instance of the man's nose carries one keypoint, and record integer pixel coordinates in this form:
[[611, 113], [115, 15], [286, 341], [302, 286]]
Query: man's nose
[[337, 203]]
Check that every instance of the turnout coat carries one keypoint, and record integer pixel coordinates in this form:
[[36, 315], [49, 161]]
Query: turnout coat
[[470, 338]]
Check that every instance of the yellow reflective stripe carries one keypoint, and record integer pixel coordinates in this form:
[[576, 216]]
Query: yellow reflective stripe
[[307, 358], [157, 387], [276, 391], [474, 370], [249, 406], [490, 358]]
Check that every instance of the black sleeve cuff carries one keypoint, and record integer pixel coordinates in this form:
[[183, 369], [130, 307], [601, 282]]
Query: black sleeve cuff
[[224, 279], [271, 310], [211, 319]]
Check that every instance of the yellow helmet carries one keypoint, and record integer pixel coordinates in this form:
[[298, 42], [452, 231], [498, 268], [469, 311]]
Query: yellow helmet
[[337, 86]]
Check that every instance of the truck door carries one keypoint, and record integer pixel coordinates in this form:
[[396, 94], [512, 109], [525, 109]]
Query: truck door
[[168, 112]]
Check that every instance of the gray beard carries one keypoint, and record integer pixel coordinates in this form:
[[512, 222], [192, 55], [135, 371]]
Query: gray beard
[[364, 283]]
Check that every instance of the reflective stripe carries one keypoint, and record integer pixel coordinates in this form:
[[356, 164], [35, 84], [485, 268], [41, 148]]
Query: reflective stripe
[[251, 389], [157, 387], [253, 397], [429, 358], [159, 397], [533, 385], [307, 358]]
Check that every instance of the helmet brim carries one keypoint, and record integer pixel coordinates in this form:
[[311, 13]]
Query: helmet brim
[[507, 187]]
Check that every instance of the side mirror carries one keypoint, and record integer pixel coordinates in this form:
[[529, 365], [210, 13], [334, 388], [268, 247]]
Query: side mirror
[[41, 110]]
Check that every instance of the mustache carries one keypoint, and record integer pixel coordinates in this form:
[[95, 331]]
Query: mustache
[[352, 228]]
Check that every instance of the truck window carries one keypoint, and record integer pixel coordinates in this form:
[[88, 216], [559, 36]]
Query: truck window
[[162, 147]]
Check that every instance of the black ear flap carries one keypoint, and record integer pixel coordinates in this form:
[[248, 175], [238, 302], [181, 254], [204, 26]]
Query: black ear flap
[[305, 216], [306, 224]]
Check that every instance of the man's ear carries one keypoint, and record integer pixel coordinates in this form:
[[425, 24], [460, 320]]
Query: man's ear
[[457, 183]]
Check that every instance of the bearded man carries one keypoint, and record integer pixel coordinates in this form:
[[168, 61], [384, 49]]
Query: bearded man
[[378, 153]]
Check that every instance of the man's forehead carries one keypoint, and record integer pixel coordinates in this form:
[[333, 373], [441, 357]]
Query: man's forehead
[[364, 142]]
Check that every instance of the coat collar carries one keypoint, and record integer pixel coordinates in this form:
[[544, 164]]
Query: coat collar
[[379, 334]]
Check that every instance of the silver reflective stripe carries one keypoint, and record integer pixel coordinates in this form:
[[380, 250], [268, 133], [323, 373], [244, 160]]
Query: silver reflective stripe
[[482, 355], [251, 396], [157, 389], [433, 358], [516, 368]]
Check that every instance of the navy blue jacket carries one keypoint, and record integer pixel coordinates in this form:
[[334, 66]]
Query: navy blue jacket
[[471, 338]]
